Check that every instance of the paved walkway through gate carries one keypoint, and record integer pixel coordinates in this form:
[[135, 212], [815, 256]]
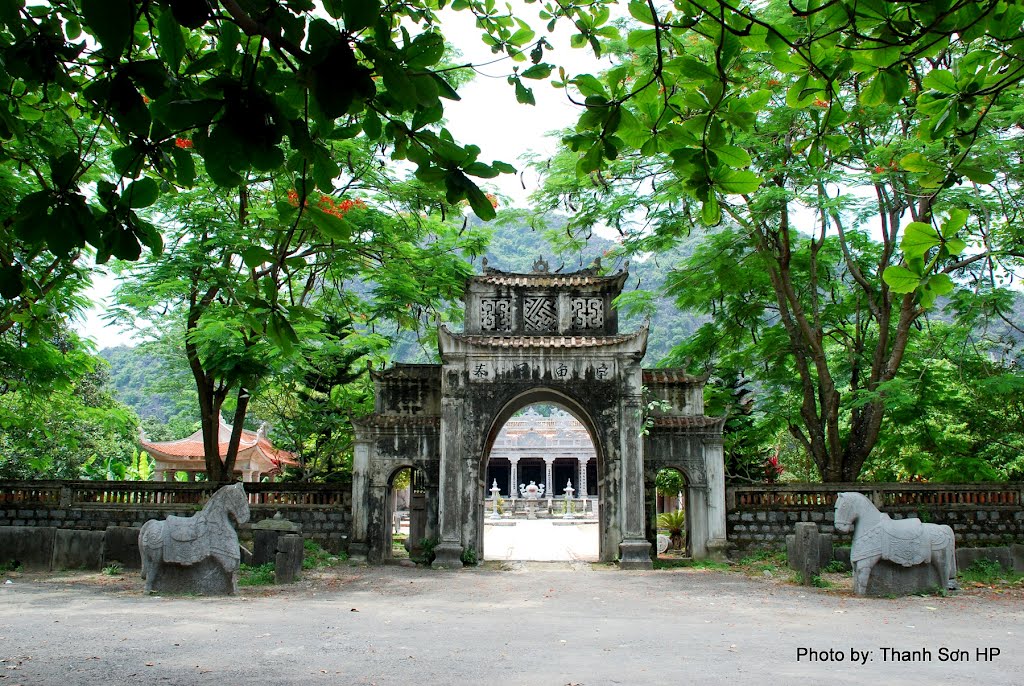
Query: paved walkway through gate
[[549, 540]]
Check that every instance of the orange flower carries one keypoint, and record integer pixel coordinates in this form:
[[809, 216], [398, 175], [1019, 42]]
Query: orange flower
[[183, 143], [493, 200], [818, 102]]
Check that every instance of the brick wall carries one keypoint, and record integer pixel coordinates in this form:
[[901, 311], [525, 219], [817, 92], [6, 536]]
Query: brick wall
[[980, 514]]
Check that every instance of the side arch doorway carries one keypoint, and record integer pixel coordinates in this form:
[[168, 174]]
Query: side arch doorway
[[537, 338]]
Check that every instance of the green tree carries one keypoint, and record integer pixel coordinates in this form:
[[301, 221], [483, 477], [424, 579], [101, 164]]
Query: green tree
[[50, 428], [847, 145], [253, 274], [246, 86]]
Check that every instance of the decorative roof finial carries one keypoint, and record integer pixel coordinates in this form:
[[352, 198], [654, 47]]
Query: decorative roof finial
[[541, 265]]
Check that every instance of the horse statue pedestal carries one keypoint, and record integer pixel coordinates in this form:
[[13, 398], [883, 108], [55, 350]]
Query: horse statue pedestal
[[198, 554], [895, 556], [892, 579]]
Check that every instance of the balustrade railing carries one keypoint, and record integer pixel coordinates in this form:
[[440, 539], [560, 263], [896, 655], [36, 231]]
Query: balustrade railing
[[164, 493], [803, 496]]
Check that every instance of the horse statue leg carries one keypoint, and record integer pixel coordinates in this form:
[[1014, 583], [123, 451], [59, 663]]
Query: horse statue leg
[[950, 554], [151, 551], [862, 572]]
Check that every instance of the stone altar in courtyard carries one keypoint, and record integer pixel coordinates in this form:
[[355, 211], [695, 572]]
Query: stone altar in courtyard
[[539, 337], [197, 554]]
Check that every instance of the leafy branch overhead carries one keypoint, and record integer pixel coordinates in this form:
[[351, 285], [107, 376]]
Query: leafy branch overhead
[[254, 86]]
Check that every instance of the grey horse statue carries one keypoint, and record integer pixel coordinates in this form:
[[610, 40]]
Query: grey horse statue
[[197, 554], [907, 542]]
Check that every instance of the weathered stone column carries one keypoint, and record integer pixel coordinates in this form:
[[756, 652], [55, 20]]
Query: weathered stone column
[[448, 553], [635, 549], [548, 461], [583, 476], [714, 460], [359, 546]]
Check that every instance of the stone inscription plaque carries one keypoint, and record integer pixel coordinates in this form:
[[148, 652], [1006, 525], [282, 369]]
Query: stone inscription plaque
[[587, 313], [563, 370], [495, 314]]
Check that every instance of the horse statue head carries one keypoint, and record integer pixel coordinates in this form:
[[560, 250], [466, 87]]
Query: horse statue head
[[230, 500], [849, 507]]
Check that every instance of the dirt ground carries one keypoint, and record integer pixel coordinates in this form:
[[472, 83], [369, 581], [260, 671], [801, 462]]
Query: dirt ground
[[504, 623]]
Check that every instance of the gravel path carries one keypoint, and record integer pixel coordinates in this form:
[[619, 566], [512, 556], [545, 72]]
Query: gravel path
[[526, 623]]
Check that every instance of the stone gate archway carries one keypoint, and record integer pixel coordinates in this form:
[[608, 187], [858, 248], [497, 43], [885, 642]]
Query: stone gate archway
[[530, 338]]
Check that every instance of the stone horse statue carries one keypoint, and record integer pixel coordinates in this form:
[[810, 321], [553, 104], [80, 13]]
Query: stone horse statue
[[197, 554], [907, 542]]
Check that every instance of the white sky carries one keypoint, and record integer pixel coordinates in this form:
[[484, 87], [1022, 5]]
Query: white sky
[[487, 116]]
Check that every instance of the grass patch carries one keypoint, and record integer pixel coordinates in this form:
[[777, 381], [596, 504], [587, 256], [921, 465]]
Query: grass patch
[[836, 567], [260, 575], [756, 564], [10, 566], [820, 582], [989, 573], [692, 564], [113, 569], [315, 557]]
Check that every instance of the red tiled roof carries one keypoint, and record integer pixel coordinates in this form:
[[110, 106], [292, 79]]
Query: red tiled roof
[[192, 446]]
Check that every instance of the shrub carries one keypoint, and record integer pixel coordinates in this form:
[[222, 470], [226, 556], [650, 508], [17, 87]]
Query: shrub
[[259, 575]]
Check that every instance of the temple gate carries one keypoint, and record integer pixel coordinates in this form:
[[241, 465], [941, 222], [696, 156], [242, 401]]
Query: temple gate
[[537, 338]]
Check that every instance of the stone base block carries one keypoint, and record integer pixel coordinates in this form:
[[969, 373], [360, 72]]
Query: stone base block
[[718, 549], [77, 549], [1017, 553], [28, 546], [890, 579], [635, 555], [121, 545], [358, 552], [204, 578], [447, 556]]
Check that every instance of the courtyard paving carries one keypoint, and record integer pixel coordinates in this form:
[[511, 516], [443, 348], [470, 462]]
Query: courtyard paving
[[512, 623], [540, 540]]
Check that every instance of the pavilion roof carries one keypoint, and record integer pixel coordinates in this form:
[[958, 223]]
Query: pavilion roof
[[191, 447]]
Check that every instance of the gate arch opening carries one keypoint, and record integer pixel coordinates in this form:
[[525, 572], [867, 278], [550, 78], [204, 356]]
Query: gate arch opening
[[536, 454], [405, 518]]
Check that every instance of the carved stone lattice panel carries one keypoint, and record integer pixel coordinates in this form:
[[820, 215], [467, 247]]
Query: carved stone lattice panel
[[539, 314], [495, 314], [587, 313]]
